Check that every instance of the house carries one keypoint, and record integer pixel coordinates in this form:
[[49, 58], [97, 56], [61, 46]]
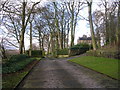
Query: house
[[84, 39]]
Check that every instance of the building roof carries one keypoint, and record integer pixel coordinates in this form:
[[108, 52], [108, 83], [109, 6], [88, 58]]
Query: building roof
[[87, 38]]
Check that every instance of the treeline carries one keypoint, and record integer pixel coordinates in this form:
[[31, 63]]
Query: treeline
[[107, 22], [53, 23]]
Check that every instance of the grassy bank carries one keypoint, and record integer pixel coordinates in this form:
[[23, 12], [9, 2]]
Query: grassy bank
[[103, 65], [11, 80]]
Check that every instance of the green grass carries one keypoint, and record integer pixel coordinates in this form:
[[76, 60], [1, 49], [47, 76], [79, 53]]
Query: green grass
[[12, 80], [103, 65], [36, 58], [63, 56]]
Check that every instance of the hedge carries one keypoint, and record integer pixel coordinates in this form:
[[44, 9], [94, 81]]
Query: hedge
[[63, 51], [15, 58], [16, 63], [36, 53], [79, 49]]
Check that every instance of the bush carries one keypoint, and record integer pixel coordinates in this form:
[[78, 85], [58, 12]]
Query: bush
[[16, 62], [16, 66], [101, 53], [36, 53], [79, 49], [62, 51], [15, 58]]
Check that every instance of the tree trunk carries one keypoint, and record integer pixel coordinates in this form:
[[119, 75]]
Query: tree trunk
[[56, 30], [22, 42], [52, 44], [91, 25], [106, 25], [30, 50], [43, 42], [62, 37], [58, 35], [110, 36], [48, 49], [98, 35], [40, 46], [62, 30], [71, 26], [2, 49], [3, 52], [22, 30], [68, 35], [57, 45], [118, 27]]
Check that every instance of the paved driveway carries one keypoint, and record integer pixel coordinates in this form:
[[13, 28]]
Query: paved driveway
[[60, 73]]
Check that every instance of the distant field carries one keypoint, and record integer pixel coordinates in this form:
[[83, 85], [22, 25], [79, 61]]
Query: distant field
[[103, 65], [9, 53]]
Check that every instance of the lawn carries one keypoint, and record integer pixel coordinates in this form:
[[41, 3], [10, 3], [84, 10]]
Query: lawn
[[103, 65], [63, 56]]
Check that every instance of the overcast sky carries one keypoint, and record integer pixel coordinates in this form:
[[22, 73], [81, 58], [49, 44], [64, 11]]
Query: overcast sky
[[82, 26]]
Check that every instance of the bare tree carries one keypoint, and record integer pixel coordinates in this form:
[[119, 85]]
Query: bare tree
[[91, 24], [24, 23], [118, 26], [30, 49], [98, 21], [73, 10], [2, 49], [17, 13]]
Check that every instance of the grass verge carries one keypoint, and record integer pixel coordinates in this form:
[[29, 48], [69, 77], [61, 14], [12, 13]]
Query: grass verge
[[103, 65], [13, 79], [63, 56]]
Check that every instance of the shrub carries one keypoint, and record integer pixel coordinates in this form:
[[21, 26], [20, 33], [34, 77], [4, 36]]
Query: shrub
[[62, 51], [36, 53], [15, 63], [15, 58], [16, 66], [117, 55], [102, 53], [79, 49]]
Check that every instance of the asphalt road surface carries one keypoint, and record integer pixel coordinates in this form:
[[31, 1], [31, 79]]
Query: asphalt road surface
[[60, 73]]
